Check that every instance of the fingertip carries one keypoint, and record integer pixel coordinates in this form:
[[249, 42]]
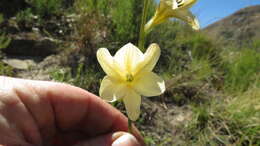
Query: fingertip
[[125, 139], [112, 139]]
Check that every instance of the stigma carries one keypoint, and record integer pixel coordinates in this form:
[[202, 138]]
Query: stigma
[[129, 78]]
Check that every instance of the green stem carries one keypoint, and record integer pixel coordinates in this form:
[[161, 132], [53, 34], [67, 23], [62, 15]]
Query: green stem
[[142, 36], [130, 128]]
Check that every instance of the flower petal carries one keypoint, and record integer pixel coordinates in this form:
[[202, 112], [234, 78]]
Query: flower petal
[[163, 11], [188, 17], [132, 102], [174, 4], [149, 84], [128, 57], [111, 90], [167, 4], [107, 62], [186, 4], [150, 59]]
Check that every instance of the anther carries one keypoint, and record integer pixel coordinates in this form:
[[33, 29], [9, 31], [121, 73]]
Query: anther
[[129, 78], [180, 3]]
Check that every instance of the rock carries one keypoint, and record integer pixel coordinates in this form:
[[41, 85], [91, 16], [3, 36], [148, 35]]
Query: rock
[[21, 64], [42, 67], [31, 44]]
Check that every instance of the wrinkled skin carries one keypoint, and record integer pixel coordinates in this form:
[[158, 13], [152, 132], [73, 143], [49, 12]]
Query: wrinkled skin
[[47, 113]]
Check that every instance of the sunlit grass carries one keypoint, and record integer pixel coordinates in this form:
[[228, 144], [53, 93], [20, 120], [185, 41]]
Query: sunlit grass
[[242, 68], [234, 120]]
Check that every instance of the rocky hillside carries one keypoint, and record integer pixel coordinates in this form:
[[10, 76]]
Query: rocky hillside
[[241, 28]]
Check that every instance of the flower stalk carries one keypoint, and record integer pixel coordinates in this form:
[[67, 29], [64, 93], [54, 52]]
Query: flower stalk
[[142, 34], [141, 43], [130, 128]]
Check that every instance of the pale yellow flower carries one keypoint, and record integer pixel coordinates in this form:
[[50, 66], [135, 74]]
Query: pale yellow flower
[[173, 9], [129, 75]]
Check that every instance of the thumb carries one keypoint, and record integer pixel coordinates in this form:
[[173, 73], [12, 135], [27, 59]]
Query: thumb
[[114, 139]]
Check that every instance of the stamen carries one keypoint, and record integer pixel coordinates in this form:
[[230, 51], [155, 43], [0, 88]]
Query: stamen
[[180, 3], [129, 78]]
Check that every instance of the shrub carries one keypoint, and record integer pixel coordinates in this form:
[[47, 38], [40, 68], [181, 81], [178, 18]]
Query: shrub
[[118, 19], [181, 45], [25, 16], [45, 7]]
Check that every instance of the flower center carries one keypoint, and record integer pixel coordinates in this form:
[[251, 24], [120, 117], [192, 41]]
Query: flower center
[[129, 78]]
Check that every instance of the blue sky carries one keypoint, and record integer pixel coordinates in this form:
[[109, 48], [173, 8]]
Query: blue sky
[[210, 11]]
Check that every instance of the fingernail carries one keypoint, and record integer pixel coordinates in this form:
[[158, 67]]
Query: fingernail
[[116, 135], [124, 139]]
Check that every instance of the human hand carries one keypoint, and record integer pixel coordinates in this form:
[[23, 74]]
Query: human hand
[[46, 113]]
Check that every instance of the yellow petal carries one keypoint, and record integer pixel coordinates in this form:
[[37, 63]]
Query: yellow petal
[[150, 59], [168, 4], [185, 4], [149, 25], [174, 4], [111, 90], [188, 3], [128, 57], [163, 12], [168, 7], [107, 63], [149, 84], [188, 17], [132, 102]]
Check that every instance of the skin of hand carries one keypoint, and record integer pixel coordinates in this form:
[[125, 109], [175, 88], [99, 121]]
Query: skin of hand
[[41, 113]]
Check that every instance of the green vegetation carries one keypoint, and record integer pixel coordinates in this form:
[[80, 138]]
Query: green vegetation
[[25, 15], [118, 19], [226, 122], [6, 70], [219, 84], [45, 7], [4, 41], [194, 67], [242, 69], [81, 77]]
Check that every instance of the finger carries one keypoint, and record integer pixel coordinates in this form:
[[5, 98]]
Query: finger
[[114, 139], [16, 123], [80, 110], [39, 108], [70, 108]]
